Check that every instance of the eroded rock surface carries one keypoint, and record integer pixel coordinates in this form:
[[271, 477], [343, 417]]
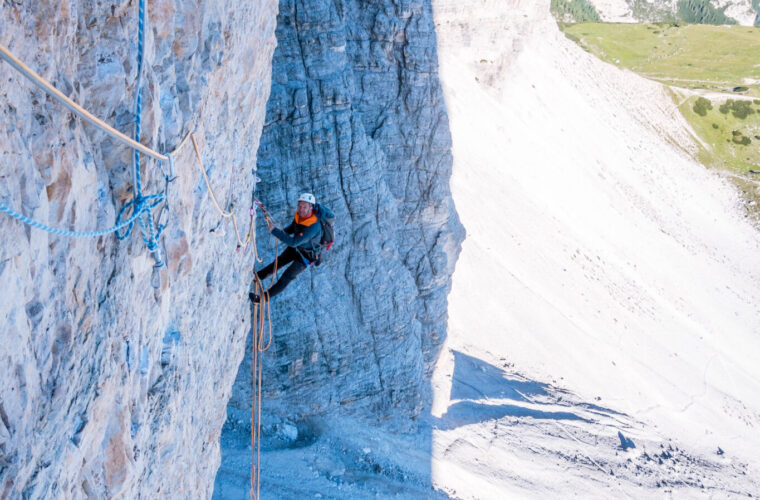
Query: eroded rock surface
[[109, 387], [356, 115], [114, 388]]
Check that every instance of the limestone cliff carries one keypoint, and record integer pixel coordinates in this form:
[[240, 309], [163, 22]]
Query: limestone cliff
[[356, 115], [109, 387], [115, 388]]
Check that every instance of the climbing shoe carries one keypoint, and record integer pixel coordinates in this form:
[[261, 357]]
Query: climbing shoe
[[254, 298]]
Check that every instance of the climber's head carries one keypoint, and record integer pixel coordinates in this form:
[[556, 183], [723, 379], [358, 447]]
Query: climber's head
[[305, 204]]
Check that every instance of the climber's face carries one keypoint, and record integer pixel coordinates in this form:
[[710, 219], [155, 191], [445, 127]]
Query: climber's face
[[304, 209]]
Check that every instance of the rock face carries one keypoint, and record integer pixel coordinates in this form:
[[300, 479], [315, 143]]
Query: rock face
[[109, 387], [744, 12], [356, 116], [115, 388]]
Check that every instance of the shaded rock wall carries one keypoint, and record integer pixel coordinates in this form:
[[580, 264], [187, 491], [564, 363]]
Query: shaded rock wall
[[356, 116], [108, 386]]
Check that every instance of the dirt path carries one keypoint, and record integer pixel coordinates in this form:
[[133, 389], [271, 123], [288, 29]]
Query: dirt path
[[710, 94]]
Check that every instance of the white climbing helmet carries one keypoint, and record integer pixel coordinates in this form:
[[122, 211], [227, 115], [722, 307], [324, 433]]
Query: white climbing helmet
[[308, 198]]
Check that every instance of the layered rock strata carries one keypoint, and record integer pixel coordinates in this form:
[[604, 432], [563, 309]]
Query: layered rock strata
[[110, 387], [356, 115]]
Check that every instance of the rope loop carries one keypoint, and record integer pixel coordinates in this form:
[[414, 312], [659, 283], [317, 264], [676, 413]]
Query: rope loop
[[140, 205]]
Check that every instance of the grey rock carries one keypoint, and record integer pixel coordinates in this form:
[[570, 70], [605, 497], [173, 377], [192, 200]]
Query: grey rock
[[356, 115], [110, 388], [113, 388]]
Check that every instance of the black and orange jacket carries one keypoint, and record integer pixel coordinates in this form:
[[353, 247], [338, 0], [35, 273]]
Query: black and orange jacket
[[306, 234]]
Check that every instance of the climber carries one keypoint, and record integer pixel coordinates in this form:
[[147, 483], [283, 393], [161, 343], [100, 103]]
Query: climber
[[303, 246]]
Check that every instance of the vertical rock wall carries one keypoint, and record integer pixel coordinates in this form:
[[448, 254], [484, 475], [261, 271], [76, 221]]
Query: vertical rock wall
[[356, 115], [109, 387]]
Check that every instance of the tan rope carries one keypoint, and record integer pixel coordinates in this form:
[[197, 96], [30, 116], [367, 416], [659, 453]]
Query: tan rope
[[31, 75], [226, 215], [255, 420], [257, 347], [181, 144], [251, 238]]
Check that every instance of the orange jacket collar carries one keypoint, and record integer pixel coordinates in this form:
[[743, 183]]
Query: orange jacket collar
[[306, 221]]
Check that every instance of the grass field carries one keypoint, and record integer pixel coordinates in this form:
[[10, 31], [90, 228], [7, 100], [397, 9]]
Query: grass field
[[696, 56], [699, 62], [734, 142]]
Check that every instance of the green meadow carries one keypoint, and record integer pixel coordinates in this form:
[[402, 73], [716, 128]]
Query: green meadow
[[714, 76], [733, 137], [695, 56]]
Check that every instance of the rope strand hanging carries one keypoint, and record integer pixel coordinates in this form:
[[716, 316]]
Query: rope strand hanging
[[226, 215], [257, 346], [147, 227], [259, 322]]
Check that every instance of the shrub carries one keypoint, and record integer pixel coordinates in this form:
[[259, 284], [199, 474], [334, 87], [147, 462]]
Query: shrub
[[740, 138], [578, 11], [715, 126], [702, 12], [702, 105], [740, 109]]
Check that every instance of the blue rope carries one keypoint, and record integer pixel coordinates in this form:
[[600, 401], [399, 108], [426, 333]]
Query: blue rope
[[146, 226], [87, 234], [142, 206]]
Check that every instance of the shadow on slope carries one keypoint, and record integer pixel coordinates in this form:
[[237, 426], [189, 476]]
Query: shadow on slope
[[475, 379], [468, 412], [476, 382]]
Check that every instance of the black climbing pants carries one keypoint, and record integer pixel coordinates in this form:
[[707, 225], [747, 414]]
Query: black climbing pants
[[290, 255]]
